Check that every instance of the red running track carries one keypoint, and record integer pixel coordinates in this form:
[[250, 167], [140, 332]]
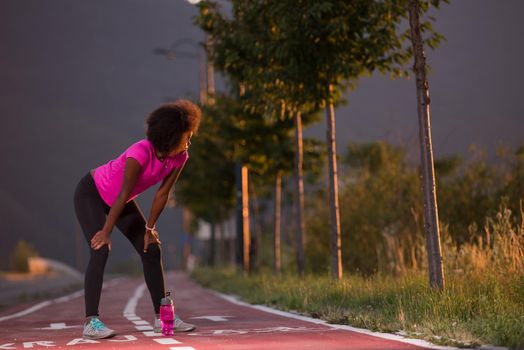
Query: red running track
[[221, 324]]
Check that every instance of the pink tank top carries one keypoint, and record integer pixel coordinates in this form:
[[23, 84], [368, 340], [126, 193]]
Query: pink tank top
[[109, 177]]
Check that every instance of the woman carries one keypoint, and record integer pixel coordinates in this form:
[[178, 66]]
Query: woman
[[104, 198]]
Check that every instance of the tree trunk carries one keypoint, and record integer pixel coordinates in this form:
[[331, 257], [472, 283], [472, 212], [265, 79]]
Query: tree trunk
[[212, 246], [242, 244], [300, 237], [202, 73], [239, 241], [276, 241], [257, 237], [336, 253], [222, 257], [210, 73], [431, 224], [245, 219]]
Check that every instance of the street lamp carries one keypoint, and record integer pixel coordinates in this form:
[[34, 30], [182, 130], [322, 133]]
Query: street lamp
[[210, 74]]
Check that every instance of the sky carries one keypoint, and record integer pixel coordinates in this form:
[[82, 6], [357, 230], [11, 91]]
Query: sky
[[79, 78], [474, 86]]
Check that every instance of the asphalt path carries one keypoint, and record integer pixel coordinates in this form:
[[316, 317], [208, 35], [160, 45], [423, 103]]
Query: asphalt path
[[222, 323]]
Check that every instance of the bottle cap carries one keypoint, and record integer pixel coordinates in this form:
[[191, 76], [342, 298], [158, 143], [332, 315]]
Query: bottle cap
[[167, 300]]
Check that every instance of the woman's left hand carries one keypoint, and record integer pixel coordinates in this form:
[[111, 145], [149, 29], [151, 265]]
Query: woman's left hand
[[150, 237]]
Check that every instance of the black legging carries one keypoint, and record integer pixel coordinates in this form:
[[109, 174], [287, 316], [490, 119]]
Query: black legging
[[91, 211]]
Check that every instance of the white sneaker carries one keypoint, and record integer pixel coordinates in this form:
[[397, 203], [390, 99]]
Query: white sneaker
[[179, 325], [96, 329], [158, 325]]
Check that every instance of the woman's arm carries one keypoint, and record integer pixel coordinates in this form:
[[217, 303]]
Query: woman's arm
[[131, 171], [162, 195], [159, 203]]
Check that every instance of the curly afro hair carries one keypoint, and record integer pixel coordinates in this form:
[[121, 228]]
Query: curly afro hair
[[167, 124]]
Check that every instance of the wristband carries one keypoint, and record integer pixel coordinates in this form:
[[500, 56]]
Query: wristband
[[151, 228]]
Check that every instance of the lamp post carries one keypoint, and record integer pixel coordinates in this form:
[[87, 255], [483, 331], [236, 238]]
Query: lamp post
[[206, 85], [207, 76], [206, 64]]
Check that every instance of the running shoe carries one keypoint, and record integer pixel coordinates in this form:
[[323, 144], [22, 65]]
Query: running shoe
[[96, 329], [179, 325]]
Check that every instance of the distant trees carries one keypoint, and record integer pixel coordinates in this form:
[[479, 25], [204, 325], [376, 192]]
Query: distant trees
[[210, 195], [228, 134], [243, 48]]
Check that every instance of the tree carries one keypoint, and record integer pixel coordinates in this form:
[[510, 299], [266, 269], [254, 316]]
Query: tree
[[240, 50], [211, 157], [431, 222]]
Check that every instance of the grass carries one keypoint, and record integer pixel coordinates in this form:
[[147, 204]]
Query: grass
[[474, 309]]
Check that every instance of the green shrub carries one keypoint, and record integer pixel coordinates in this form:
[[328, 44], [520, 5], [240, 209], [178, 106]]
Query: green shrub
[[382, 216]]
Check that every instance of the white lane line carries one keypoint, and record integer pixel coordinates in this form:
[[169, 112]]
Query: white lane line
[[166, 341], [144, 328], [127, 338], [58, 326], [214, 318], [141, 323], [130, 312], [70, 296], [55, 301], [418, 342], [130, 309], [27, 311]]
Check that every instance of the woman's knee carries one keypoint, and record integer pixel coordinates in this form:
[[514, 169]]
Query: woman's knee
[[153, 254], [100, 255]]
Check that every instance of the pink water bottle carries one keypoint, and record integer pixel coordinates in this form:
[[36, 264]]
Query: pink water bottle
[[167, 315]]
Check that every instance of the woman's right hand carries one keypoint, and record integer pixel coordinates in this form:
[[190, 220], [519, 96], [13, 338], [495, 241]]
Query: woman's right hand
[[100, 239], [151, 237]]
